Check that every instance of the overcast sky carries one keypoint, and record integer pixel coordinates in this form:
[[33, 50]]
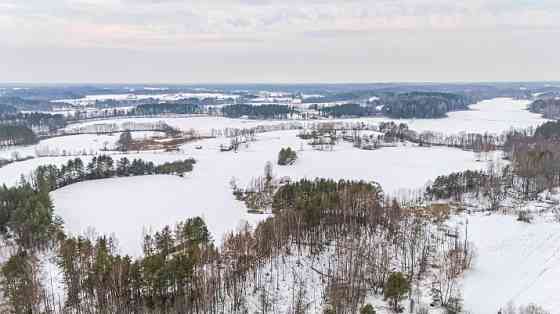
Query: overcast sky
[[289, 41]]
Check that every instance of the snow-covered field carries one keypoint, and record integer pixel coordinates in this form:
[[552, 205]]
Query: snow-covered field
[[515, 262], [202, 124], [160, 200], [71, 145], [493, 116], [126, 207], [75, 144]]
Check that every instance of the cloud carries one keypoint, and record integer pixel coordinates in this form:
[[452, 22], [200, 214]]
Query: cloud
[[286, 32]]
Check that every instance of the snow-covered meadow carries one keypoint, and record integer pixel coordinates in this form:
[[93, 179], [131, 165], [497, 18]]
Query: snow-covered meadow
[[207, 191], [154, 201], [515, 262]]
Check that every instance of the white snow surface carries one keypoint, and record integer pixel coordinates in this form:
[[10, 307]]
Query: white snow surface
[[515, 262], [128, 207], [493, 116], [74, 144], [203, 124]]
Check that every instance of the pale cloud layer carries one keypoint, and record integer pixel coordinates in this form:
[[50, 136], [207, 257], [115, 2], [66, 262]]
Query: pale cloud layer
[[279, 41]]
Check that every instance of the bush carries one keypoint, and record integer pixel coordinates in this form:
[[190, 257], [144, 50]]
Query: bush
[[525, 216], [367, 309], [395, 289], [287, 156]]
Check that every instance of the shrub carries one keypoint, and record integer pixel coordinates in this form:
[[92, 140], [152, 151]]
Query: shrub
[[525, 216], [395, 289], [367, 309], [287, 156]]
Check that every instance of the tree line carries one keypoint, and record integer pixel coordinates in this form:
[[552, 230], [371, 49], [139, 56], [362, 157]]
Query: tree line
[[102, 167], [347, 110], [42, 122], [422, 104], [11, 135], [258, 112], [548, 107], [166, 108]]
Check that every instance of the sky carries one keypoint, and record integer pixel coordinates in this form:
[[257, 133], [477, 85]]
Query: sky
[[278, 41]]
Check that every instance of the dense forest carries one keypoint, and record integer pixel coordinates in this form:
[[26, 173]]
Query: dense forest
[[16, 135], [347, 110], [548, 107], [549, 131], [422, 104], [42, 123], [403, 105], [534, 157], [370, 247], [166, 108], [258, 112]]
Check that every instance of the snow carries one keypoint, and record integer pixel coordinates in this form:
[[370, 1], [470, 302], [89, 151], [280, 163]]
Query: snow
[[74, 144], [126, 207], [71, 145], [493, 116], [160, 200], [202, 124], [515, 261]]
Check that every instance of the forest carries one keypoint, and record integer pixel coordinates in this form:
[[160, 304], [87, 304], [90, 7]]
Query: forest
[[258, 112], [75, 170], [347, 110], [11, 135], [42, 123], [534, 166], [548, 107], [422, 104], [370, 246], [166, 108]]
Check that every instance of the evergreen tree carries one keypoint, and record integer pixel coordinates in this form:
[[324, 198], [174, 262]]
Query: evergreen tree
[[395, 289]]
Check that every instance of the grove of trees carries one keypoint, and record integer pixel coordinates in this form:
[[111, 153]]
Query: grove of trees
[[286, 156]]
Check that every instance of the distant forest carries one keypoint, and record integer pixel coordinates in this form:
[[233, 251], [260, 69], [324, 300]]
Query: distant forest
[[549, 107], [258, 112], [422, 105], [16, 135]]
